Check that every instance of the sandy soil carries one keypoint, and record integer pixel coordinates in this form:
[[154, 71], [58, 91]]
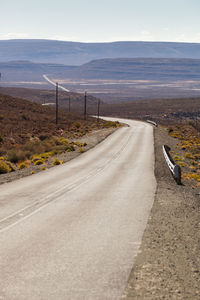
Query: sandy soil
[[168, 264]]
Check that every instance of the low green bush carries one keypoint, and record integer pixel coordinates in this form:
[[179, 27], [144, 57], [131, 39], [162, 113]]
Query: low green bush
[[69, 148], [22, 166], [63, 141], [110, 124], [77, 125], [178, 158], [38, 162], [80, 144], [34, 158], [181, 164], [46, 155], [81, 150], [56, 162], [11, 166], [4, 167], [189, 155]]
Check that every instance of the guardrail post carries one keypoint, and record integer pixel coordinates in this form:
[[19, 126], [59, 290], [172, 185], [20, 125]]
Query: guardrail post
[[174, 168], [177, 174]]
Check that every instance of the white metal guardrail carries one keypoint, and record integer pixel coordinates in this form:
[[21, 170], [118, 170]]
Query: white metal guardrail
[[175, 169], [152, 122]]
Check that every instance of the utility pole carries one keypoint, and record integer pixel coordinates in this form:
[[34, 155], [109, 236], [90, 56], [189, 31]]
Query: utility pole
[[98, 110], [69, 104], [56, 103], [85, 106]]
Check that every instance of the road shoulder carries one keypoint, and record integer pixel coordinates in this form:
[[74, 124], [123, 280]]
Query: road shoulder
[[168, 263]]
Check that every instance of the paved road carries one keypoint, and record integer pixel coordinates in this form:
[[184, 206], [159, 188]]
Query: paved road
[[53, 83], [72, 232]]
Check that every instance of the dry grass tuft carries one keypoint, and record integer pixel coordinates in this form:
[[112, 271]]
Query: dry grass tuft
[[4, 167], [38, 162], [56, 162], [22, 165]]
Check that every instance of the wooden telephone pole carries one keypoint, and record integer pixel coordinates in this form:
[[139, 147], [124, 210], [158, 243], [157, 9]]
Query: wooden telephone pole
[[69, 104], [98, 110], [85, 106], [56, 103]]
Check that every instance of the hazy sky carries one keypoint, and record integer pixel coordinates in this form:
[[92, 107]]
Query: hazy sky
[[101, 20]]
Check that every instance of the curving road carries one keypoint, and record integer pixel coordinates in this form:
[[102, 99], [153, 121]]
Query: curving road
[[53, 83], [71, 232]]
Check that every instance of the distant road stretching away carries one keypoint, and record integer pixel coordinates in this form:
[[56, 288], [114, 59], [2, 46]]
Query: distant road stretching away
[[72, 232], [53, 83]]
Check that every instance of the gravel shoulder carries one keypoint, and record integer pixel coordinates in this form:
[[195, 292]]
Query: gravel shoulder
[[92, 139], [168, 263]]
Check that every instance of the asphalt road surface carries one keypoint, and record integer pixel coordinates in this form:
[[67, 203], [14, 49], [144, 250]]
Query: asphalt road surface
[[72, 232]]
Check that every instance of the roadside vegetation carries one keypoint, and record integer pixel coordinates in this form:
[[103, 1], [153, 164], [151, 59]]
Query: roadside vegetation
[[187, 150], [180, 117], [30, 137]]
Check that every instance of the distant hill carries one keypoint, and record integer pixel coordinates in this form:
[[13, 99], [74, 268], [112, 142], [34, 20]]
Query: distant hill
[[74, 53], [139, 69], [107, 79], [27, 70], [121, 69]]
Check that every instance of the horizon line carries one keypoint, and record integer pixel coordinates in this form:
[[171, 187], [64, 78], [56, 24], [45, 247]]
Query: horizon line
[[96, 42]]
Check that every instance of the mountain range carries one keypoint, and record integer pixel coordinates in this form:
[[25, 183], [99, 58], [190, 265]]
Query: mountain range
[[119, 69], [138, 70], [75, 53]]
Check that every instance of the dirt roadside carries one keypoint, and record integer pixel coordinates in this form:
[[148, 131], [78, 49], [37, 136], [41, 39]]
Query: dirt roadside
[[92, 139], [168, 263]]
